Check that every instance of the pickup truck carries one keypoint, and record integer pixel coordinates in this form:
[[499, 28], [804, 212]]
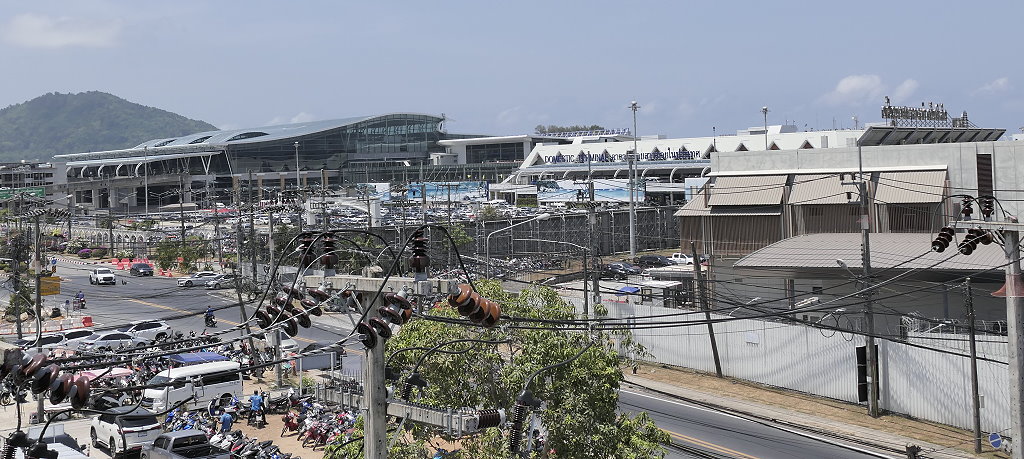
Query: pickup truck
[[681, 259], [183, 444]]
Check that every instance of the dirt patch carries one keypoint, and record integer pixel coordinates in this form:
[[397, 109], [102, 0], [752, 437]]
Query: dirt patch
[[939, 434]]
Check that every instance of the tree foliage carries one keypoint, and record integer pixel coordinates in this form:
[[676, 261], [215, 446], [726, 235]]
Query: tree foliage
[[580, 399], [168, 251], [58, 123], [555, 129]]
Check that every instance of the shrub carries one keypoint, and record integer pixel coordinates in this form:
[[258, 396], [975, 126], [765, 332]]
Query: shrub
[[84, 253], [99, 252]]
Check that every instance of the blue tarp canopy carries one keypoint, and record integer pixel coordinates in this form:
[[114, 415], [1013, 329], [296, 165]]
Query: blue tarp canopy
[[190, 358], [627, 290]]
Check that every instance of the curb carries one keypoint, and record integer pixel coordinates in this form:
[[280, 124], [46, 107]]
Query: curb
[[78, 262]]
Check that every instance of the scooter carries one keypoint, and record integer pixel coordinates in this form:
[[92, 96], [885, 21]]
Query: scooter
[[292, 421], [211, 321]]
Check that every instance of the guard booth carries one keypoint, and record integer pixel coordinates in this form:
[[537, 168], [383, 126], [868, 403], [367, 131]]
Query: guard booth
[[665, 293]]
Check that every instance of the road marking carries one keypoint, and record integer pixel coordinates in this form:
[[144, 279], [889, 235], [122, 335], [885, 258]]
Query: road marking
[[708, 445], [169, 308], [696, 407]]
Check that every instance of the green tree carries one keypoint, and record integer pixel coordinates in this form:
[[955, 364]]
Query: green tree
[[581, 398], [168, 251], [489, 213], [555, 129]]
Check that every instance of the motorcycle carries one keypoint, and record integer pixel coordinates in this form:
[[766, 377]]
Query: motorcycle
[[211, 321], [292, 421]]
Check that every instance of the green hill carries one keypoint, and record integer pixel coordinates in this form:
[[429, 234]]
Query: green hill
[[58, 123]]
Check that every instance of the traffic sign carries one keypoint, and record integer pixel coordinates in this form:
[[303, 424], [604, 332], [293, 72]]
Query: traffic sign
[[49, 286], [995, 440], [36, 191]]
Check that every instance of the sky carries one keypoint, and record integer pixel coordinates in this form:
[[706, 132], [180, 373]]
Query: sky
[[502, 68]]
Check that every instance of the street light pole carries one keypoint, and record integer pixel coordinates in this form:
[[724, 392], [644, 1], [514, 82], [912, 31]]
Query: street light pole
[[487, 240], [632, 187], [298, 181], [145, 179], [764, 111]]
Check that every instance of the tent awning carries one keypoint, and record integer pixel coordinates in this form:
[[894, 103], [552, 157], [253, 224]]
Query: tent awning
[[196, 357], [627, 290]]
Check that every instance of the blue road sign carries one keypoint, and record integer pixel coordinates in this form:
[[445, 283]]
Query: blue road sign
[[995, 440]]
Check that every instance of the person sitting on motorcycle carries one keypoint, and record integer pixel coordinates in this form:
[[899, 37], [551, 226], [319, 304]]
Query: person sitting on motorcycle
[[209, 314], [255, 406]]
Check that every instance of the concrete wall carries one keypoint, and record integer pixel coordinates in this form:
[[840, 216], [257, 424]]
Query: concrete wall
[[921, 383]]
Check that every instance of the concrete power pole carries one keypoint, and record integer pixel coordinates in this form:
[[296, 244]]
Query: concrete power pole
[[865, 229], [39, 311], [590, 243], [1014, 337]]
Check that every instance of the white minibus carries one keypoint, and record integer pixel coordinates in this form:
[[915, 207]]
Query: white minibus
[[206, 381]]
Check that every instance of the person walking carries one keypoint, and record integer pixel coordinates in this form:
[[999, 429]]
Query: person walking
[[225, 422]]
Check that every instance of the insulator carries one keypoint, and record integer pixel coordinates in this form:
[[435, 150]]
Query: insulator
[[419, 261], [381, 327], [516, 431], [294, 292], [406, 390], [329, 258], [369, 336], [490, 418], [8, 451], [319, 293]]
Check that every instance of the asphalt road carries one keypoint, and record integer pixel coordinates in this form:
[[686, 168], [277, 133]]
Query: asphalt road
[[712, 433], [158, 297], [698, 431]]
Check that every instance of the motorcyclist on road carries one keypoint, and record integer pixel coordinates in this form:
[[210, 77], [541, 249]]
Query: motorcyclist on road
[[209, 314]]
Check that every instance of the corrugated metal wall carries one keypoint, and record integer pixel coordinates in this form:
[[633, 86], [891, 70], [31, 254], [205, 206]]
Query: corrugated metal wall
[[916, 382]]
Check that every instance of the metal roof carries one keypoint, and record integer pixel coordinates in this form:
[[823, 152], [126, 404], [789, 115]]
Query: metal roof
[[910, 187], [888, 250], [694, 207], [748, 191], [821, 189], [902, 135]]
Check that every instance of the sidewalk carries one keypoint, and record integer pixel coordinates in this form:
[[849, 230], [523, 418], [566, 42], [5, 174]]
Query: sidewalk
[[810, 413]]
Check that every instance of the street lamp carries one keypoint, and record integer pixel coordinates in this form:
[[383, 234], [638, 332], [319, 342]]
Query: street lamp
[[586, 271], [632, 186], [297, 180], [145, 180], [487, 240], [764, 111]]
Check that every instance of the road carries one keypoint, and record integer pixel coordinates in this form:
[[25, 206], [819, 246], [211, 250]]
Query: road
[[711, 433], [160, 298], [700, 432]]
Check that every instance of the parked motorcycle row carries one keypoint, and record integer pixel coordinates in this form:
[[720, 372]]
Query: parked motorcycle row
[[314, 424]]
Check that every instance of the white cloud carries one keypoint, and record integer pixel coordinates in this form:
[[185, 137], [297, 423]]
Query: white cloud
[[904, 90], [301, 117], [867, 89], [994, 86], [40, 31]]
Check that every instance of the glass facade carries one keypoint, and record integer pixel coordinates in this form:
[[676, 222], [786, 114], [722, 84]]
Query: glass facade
[[388, 139], [511, 151]]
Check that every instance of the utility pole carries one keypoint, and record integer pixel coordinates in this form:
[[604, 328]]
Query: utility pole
[[423, 196], [975, 399], [323, 201], [865, 230], [590, 242], [1014, 337], [701, 295], [71, 216], [16, 283], [252, 224], [631, 158], [376, 409], [39, 311], [181, 211], [238, 292], [216, 234]]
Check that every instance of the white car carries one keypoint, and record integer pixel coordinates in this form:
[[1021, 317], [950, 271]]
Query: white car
[[73, 338], [47, 341], [106, 341], [147, 330], [102, 276], [288, 344], [124, 429], [681, 259], [222, 281], [196, 279]]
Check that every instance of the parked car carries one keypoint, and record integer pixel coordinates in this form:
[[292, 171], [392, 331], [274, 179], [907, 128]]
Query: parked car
[[105, 341], [102, 276], [141, 269], [47, 341], [654, 261], [124, 429], [196, 278], [681, 259], [222, 281], [288, 344], [73, 338], [191, 444], [619, 270], [147, 330]]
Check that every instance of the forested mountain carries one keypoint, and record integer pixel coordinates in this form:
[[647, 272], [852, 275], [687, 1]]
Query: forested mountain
[[58, 123]]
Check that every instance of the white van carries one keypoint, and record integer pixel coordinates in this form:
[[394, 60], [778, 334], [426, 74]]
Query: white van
[[206, 381]]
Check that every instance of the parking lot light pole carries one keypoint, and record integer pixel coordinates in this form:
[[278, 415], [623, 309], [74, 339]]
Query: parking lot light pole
[[487, 240], [586, 271]]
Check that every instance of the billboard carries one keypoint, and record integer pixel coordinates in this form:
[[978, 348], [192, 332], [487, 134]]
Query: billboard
[[443, 191], [605, 190]]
